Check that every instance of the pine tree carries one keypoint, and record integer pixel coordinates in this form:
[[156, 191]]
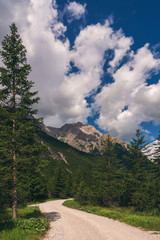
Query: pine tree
[[83, 194], [18, 128], [138, 153], [139, 167], [58, 181], [108, 178]]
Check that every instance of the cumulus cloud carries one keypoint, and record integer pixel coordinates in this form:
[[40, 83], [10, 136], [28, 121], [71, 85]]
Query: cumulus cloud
[[47, 54], [128, 101], [122, 105], [75, 10], [88, 56], [62, 93], [12, 11]]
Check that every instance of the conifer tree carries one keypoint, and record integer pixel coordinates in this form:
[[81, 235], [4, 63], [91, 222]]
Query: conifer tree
[[139, 166], [108, 177], [59, 181], [138, 152], [18, 128]]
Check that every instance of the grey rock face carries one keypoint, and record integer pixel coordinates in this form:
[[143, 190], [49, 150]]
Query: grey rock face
[[83, 137]]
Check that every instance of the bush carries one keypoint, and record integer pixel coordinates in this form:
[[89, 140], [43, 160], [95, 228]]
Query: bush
[[33, 224]]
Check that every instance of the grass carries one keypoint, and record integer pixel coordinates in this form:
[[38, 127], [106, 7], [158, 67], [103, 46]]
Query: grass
[[149, 220], [28, 227], [18, 234]]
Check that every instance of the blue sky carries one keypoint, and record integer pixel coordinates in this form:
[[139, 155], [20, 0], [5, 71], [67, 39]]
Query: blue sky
[[97, 62], [139, 19]]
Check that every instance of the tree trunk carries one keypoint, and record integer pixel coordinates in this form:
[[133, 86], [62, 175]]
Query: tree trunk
[[14, 206]]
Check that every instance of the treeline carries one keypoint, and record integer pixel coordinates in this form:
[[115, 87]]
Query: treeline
[[131, 181], [129, 178], [114, 179]]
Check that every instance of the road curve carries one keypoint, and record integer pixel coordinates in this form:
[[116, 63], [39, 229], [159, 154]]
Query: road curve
[[71, 224]]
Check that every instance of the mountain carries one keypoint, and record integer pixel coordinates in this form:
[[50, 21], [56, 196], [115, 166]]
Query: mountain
[[85, 138]]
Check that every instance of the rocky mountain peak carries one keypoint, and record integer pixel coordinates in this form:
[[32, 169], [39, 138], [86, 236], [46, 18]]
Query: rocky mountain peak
[[88, 129], [83, 137]]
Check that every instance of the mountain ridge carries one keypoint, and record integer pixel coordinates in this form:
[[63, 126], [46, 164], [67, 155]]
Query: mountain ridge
[[83, 137]]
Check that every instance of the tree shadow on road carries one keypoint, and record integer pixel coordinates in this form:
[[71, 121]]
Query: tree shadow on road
[[52, 216]]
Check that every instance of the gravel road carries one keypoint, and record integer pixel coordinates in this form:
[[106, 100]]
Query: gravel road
[[71, 224]]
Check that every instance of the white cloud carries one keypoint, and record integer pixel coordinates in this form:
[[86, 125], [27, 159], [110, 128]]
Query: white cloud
[[75, 10], [47, 54], [88, 56], [63, 96], [130, 89], [12, 11], [122, 105]]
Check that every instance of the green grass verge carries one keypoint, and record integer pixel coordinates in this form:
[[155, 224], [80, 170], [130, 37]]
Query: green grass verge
[[31, 225], [145, 220]]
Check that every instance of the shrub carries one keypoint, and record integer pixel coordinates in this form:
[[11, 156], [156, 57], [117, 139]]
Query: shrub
[[33, 224]]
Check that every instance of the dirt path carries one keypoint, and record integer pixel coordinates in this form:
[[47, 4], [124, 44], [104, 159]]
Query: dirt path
[[70, 224]]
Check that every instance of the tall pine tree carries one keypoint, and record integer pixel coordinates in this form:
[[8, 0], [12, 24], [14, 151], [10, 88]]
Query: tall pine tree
[[139, 167], [19, 146], [108, 177]]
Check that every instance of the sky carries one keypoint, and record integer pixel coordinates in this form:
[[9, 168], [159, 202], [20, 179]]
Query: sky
[[95, 62]]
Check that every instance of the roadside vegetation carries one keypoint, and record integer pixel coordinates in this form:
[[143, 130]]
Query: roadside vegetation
[[147, 220], [30, 225]]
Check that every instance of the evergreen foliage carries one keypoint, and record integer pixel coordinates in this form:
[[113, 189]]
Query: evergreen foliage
[[58, 183], [19, 146], [139, 168], [105, 176], [130, 181], [103, 184], [138, 150]]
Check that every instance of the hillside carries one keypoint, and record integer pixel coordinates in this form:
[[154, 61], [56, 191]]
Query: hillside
[[77, 145], [70, 157]]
